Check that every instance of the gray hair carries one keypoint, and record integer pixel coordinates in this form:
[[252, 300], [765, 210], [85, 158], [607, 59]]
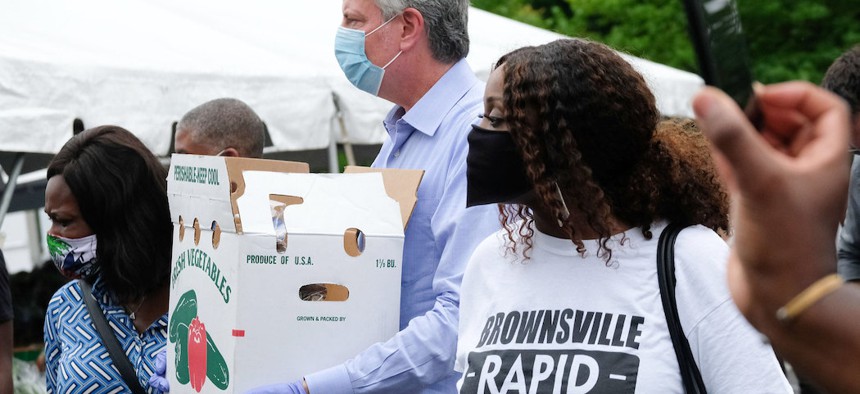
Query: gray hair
[[446, 23], [226, 123]]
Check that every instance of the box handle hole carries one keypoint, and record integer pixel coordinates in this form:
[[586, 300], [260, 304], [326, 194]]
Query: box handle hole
[[181, 228], [353, 242], [196, 231], [323, 292], [216, 234], [278, 203]]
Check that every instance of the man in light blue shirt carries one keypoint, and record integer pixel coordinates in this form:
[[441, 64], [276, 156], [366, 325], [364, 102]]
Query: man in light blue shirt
[[415, 52]]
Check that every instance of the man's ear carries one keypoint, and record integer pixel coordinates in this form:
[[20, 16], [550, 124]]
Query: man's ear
[[230, 152], [413, 28]]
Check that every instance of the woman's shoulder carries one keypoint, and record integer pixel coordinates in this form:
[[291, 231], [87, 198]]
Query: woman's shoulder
[[66, 300], [491, 246], [492, 250], [69, 292], [702, 244], [701, 257], [699, 231]]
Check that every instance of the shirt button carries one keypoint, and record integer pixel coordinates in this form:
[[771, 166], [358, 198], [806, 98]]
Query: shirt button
[[397, 154]]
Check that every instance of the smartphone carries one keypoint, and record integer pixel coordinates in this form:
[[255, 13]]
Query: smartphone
[[721, 51]]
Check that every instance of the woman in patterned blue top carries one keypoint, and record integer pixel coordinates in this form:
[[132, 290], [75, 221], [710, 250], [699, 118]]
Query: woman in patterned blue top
[[106, 197]]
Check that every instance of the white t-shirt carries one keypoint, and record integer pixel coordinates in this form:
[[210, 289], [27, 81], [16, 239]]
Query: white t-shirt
[[563, 323]]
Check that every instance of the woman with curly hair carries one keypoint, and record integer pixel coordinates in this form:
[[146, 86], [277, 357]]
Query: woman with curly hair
[[565, 298], [106, 197]]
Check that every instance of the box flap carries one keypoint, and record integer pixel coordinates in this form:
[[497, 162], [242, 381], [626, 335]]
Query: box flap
[[331, 204], [237, 165], [401, 185], [206, 187]]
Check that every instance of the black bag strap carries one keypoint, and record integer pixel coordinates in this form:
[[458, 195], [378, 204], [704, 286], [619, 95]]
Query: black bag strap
[[120, 360], [692, 378]]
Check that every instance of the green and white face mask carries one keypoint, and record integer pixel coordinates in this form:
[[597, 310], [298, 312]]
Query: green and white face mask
[[74, 258]]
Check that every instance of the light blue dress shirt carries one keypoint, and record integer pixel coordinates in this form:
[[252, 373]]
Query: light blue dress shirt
[[440, 238]]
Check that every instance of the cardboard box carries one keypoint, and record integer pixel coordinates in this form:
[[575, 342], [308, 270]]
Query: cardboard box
[[257, 245]]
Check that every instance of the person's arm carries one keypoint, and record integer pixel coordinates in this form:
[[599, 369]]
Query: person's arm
[[849, 237], [733, 357], [790, 183]]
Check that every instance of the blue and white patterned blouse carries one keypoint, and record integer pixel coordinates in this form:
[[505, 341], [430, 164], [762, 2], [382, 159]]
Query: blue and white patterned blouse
[[77, 362]]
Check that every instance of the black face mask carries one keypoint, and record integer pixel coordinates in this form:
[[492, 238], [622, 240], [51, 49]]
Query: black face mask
[[495, 172]]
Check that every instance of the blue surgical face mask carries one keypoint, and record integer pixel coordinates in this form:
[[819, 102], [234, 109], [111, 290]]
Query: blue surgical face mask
[[349, 51], [75, 258]]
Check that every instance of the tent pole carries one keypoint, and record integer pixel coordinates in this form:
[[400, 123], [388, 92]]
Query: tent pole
[[332, 155], [347, 145], [10, 186]]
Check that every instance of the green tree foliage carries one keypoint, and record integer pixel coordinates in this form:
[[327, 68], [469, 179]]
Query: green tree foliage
[[798, 39], [787, 39]]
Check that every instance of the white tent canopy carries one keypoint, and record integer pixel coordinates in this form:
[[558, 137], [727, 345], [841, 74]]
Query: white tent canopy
[[142, 63]]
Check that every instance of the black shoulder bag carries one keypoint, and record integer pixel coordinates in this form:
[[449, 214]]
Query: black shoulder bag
[[692, 378], [120, 360]]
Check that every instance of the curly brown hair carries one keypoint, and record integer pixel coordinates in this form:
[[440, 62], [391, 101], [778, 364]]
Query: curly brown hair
[[585, 122], [695, 188]]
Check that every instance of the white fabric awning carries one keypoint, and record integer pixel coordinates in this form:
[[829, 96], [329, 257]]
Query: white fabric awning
[[141, 64]]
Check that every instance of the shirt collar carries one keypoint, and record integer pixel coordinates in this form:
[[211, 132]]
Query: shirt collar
[[425, 116], [160, 323], [101, 293]]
